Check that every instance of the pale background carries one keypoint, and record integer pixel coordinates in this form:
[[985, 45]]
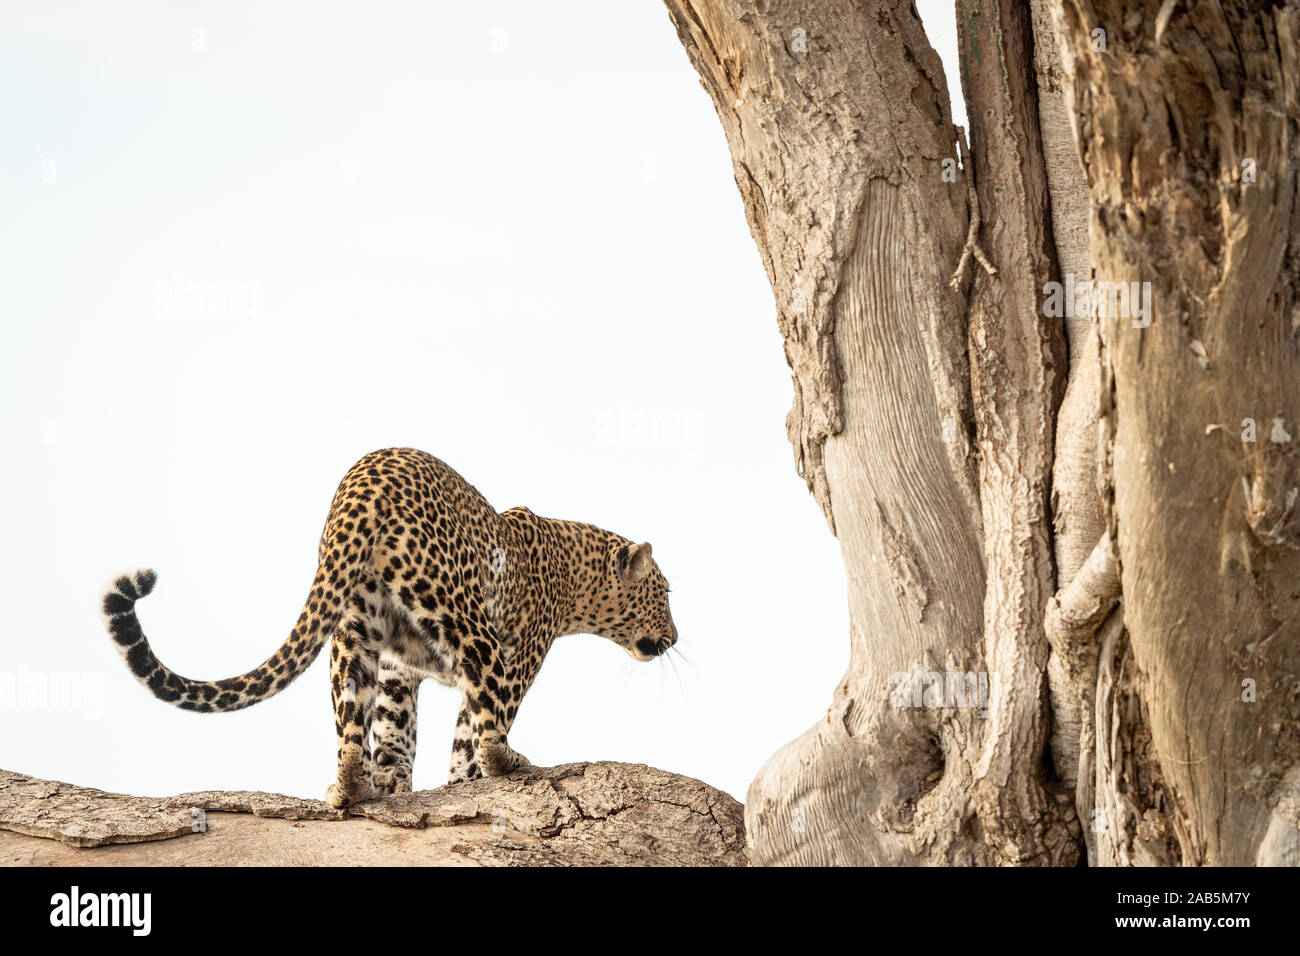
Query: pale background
[[510, 237]]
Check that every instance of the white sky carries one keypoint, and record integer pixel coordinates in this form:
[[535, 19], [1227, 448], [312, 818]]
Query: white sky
[[509, 236]]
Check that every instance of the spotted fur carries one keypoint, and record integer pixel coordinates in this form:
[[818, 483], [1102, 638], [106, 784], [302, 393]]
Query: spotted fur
[[419, 577]]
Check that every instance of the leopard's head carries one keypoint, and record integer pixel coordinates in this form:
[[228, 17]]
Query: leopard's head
[[636, 615]]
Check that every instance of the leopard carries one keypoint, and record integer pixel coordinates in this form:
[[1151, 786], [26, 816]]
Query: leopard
[[419, 577]]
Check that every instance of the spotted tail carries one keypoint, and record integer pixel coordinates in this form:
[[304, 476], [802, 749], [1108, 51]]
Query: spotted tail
[[317, 622]]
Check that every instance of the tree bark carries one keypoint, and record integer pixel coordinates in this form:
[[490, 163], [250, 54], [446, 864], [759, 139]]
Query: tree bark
[[1184, 107], [1000, 476], [1017, 379]]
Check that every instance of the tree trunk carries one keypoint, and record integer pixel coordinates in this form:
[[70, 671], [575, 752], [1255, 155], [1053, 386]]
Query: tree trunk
[[1190, 139], [976, 477], [839, 125]]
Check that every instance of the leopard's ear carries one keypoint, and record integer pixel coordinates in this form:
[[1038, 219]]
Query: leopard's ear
[[633, 563]]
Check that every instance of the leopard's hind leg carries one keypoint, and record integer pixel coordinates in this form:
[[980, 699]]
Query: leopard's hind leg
[[394, 726], [354, 669]]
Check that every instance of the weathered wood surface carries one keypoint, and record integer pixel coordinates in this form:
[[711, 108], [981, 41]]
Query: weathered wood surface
[[582, 814]]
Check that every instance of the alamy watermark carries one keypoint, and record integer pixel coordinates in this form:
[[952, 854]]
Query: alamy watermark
[[1100, 298], [626, 427], [75, 908], [216, 300], [25, 689], [953, 689]]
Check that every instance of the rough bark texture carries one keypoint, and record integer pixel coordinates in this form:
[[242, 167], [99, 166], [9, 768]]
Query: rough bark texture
[[838, 121], [794, 84], [1017, 377], [1189, 127], [597, 814]]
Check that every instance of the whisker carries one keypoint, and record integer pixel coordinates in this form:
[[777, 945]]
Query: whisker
[[686, 659], [680, 689]]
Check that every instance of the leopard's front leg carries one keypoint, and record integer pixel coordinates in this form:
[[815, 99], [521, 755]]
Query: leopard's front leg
[[497, 756], [493, 690], [464, 750], [488, 728]]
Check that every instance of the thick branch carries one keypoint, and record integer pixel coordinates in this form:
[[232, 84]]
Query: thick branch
[[1073, 616], [598, 814], [1077, 611]]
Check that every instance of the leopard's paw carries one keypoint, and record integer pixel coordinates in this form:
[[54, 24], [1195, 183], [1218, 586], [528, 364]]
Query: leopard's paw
[[391, 772], [345, 793], [389, 783], [497, 757]]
